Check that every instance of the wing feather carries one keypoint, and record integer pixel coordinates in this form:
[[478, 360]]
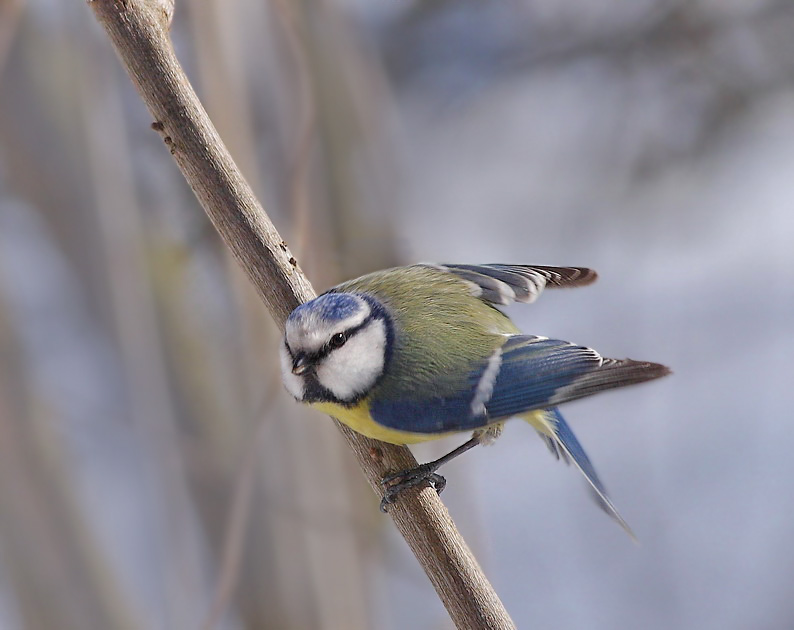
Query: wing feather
[[533, 373], [538, 373], [504, 284]]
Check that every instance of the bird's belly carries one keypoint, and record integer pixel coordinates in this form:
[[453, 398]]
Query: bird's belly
[[359, 419]]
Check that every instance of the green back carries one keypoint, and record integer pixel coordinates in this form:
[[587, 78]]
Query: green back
[[442, 332]]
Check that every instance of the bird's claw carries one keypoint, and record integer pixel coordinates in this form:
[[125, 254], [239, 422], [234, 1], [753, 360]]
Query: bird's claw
[[395, 483]]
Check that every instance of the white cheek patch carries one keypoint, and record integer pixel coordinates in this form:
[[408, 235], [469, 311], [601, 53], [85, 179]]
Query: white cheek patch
[[351, 370], [292, 382]]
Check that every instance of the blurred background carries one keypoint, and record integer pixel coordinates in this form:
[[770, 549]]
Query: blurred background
[[153, 472]]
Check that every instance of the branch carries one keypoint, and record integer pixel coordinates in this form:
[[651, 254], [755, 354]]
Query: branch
[[139, 32]]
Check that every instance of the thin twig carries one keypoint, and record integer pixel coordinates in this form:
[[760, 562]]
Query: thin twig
[[301, 155], [10, 15], [139, 33], [237, 521]]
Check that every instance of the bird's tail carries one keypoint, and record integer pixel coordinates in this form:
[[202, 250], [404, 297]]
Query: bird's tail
[[562, 443]]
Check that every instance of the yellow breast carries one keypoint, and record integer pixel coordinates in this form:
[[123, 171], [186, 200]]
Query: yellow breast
[[359, 419]]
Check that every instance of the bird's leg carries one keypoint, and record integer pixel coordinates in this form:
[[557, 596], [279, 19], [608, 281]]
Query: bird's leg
[[395, 483]]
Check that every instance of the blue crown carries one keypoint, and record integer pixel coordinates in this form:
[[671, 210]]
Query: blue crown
[[329, 307]]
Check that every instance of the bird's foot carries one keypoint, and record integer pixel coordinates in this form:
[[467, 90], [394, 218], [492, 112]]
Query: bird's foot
[[395, 483]]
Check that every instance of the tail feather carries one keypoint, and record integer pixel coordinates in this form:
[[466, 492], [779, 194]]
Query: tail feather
[[563, 444]]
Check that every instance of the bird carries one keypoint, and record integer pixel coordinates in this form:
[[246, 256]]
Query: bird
[[420, 352]]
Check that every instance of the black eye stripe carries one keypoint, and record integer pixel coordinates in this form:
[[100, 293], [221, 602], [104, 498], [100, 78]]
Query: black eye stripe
[[330, 345]]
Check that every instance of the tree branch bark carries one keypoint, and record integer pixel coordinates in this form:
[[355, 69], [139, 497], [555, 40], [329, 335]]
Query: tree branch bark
[[138, 30]]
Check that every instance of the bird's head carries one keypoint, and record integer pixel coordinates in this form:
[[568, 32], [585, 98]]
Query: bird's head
[[335, 348]]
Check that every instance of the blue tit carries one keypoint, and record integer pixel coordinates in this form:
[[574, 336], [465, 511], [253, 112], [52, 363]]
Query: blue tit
[[417, 353]]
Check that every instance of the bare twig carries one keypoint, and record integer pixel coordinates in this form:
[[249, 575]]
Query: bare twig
[[307, 126], [235, 529], [138, 30], [10, 14]]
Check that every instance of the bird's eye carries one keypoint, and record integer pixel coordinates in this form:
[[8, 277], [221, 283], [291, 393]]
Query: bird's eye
[[337, 341]]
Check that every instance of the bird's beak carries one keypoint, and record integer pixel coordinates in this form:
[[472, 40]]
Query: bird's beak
[[301, 364]]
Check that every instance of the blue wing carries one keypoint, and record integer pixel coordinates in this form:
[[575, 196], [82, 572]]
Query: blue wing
[[525, 374], [538, 373], [563, 444]]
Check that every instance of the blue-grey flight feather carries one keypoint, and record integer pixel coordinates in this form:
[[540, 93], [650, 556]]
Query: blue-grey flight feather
[[504, 284]]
